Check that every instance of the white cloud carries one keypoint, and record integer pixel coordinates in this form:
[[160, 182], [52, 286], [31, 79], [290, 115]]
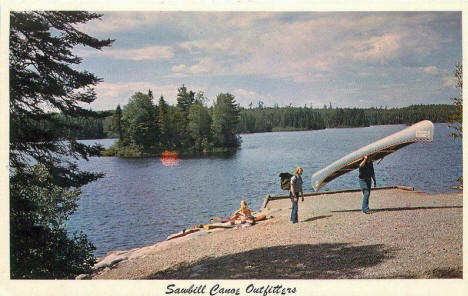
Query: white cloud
[[378, 48], [179, 68], [203, 66], [204, 46], [449, 82], [302, 50], [245, 93], [431, 70], [134, 54], [110, 95], [309, 52], [120, 21], [244, 97]]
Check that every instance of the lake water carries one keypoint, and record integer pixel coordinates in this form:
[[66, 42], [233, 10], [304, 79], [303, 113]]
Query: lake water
[[141, 201]]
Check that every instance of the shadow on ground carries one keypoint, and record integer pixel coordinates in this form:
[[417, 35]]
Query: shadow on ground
[[438, 273], [400, 209], [316, 218], [304, 261]]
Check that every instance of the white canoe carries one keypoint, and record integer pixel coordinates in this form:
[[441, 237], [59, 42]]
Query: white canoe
[[422, 131]]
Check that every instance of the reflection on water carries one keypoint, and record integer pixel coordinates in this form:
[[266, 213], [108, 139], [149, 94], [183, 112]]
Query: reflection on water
[[141, 201]]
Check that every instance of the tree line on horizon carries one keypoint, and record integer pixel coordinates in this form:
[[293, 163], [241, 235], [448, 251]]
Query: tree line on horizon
[[255, 119]]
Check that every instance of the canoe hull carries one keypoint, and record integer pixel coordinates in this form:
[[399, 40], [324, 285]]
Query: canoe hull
[[422, 131]]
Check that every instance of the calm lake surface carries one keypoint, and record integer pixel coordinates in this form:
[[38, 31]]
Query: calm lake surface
[[140, 201]]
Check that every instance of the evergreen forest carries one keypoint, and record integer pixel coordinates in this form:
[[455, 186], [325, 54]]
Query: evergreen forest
[[192, 125], [145, 128]]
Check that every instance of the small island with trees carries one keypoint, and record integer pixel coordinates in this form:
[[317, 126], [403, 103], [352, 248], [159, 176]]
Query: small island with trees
[[190, 127]]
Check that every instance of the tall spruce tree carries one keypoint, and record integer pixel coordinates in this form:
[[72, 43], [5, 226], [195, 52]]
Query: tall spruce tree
[[139, 122], [44, 78], [199, 125], [184, 100], [226, 120], [163, 124], [117, 121]]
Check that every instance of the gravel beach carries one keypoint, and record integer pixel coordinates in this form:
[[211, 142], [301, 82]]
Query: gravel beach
[[409, 234]]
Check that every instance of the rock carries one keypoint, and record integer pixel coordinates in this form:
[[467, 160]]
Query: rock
[[193, 275], [215, 220], [198, 268], [118, 259], [83, 276], [111, 260], [100, 265]]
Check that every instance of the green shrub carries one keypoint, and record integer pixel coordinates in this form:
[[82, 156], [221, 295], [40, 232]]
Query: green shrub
[[39, 242]]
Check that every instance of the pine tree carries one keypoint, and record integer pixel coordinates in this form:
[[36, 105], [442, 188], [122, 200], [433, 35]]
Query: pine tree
[[185, 99], [44, 78], [117, 121], [139, 122], [199, 124], [226, 120], [163, 123]]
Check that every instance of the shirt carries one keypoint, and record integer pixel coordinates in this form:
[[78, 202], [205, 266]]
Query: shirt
[[296, 182], [366, 171]]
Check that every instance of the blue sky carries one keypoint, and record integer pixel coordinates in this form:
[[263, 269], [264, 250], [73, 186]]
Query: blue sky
[[351, 59]]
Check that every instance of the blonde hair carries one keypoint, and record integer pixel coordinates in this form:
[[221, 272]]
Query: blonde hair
[[244, 205], [297, 170]]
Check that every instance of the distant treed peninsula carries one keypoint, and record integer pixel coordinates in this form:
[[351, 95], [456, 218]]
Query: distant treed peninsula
[[145, 126]]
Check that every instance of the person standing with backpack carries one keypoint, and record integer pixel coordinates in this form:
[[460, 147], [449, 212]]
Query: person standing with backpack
[[295, 189]]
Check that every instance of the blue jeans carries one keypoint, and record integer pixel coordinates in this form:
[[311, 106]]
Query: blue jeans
[[294, 209], [366, 188]]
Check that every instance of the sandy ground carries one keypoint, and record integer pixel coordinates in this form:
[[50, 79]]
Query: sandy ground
[[408, 235]]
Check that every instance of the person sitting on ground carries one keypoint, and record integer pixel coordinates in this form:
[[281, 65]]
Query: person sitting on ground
[[243, 214]]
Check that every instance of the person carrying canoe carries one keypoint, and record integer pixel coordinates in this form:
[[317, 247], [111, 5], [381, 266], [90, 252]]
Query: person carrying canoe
[[366, 172], [296, 188]]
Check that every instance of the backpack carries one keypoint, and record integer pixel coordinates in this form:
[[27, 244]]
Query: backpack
[[285, 180]]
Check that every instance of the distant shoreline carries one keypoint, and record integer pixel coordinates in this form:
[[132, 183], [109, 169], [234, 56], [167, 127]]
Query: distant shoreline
[[286, 130]]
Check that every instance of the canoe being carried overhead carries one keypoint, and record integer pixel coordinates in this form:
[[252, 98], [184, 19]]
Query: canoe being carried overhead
[[422, 131]]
